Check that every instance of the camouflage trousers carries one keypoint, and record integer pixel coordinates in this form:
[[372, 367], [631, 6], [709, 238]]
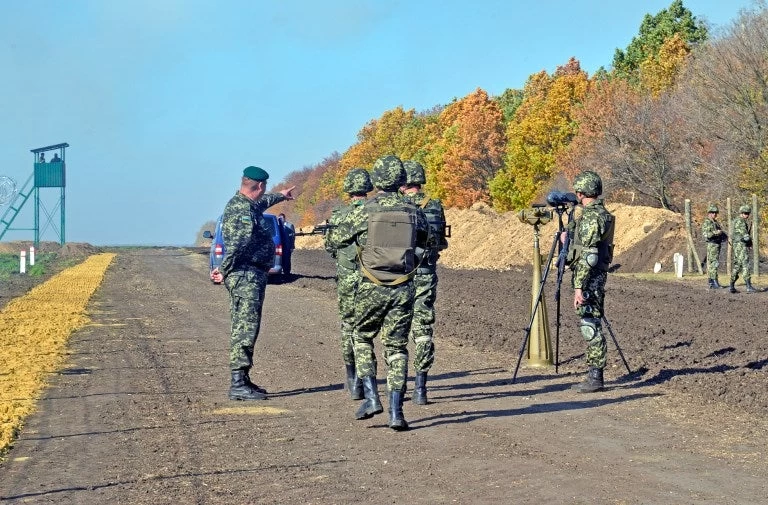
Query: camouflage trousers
[[246, 297], [741, 265], [425, 288], [385, 311], [346, 285], [713, 259], [591, 326]]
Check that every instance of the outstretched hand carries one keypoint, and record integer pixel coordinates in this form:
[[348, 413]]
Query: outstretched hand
[[288, 192]]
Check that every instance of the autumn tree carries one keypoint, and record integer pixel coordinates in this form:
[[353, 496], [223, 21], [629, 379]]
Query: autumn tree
[[468, 151], [659, 71], [311, 205], [636, 141], [654, 32], [726, 94], [543, 126]]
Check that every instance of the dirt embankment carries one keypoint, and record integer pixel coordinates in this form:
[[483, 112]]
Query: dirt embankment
[[484, 238]]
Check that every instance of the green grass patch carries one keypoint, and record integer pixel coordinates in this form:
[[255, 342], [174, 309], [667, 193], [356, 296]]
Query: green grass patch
[[9, 265]]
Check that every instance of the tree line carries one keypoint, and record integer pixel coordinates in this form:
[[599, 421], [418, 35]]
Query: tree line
[[680, 113]]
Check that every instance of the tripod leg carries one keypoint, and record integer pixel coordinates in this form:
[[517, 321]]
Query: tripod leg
[[618, 348]]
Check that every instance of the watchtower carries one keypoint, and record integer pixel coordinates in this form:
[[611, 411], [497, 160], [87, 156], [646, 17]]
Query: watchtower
[[50, 173]]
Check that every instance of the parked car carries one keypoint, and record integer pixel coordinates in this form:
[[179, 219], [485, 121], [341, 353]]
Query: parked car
[[218, 250]]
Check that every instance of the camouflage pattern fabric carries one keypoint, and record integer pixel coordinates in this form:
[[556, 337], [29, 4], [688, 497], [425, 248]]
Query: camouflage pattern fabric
[[385, 311], [357, 181], [247, 242], [347, 278], [590, 231], [425, 284], [249, 255], [741, 241], [712, 233], [246, 298]]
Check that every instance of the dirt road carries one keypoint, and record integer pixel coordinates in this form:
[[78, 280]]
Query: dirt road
[[141, 416]]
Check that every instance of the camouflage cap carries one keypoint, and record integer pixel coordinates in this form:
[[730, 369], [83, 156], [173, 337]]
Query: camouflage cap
[[588, 183], [414, 173], [712, 208], [388, 173], [357, 181], [745, 209]]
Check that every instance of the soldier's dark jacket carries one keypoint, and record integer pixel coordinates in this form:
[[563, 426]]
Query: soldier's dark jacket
[[435, 214], [247, 241]]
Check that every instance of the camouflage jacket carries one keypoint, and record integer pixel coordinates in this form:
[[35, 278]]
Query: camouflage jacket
[[352, 230], [741, 232], [712, 231], [247, 242], [433, 210], [345, 255], [593, 242]]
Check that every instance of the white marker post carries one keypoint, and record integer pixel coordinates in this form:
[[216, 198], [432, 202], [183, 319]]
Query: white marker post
[[678, 261], [31, 255], [23, 262]]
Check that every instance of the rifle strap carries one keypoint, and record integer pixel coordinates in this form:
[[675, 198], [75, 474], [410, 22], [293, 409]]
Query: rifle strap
[[425, 202], [400, 280]]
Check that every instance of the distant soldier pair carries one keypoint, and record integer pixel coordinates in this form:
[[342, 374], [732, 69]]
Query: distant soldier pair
[[741, 242], [386, 259]]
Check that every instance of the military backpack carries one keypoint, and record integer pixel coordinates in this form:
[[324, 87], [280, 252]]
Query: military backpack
[[389, 255]]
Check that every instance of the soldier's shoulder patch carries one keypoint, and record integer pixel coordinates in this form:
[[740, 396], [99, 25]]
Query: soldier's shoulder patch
[[245, 218]]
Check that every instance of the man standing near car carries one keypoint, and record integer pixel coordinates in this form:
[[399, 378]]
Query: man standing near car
[[249, 255], [425, 281], [288, 238]]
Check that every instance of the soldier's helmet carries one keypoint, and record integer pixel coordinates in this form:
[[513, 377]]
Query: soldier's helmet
[[414, 173], [357, 181], [388, 173], [589, 183], [713, 208], [745, 209]]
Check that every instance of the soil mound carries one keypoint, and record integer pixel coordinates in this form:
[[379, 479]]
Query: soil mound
[[482, 238], [68, 250]]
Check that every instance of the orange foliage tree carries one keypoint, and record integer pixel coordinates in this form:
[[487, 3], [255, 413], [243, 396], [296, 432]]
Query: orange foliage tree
[[543, 126], [468, 150]]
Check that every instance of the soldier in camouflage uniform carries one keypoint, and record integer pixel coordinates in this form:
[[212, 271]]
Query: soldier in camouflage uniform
[[249, 255], [381, 309], [357, 184], [742, 242], [715, 236], [591, 255], [425, 281]]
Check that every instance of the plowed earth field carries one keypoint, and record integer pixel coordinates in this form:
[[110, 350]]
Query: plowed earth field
[[139, 413]]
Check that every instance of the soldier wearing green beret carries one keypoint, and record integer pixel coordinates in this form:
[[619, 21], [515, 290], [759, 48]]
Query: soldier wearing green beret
[[741, 243], [714, 236], [249, 255]]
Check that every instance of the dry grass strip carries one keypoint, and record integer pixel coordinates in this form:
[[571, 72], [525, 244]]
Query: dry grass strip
[[34, 330]]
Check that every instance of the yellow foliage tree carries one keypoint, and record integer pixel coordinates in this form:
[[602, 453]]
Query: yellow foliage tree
[[542, 127], [659, 71]]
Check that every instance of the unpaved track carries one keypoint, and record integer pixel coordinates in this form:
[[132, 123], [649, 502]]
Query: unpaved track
[[140, 416]]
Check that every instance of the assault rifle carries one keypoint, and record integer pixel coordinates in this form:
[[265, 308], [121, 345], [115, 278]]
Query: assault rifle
[[318, 229]]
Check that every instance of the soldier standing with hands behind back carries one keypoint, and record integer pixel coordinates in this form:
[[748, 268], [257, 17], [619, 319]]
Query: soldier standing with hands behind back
[[250, 252], [715, 236], [742, 242], [589, 258]]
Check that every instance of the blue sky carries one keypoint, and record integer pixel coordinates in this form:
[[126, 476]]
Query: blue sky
[[164, 102]]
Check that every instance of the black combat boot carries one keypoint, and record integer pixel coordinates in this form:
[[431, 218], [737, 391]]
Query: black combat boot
[[711, 284], [252, 385], [242, 390], [732, 288], [750, 289], [354, 384], [396, 420], [716, 284], [419, 396], [593, 381], [372, 404]]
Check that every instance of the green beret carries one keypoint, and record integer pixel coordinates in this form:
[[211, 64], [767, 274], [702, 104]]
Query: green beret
[[256, 173]]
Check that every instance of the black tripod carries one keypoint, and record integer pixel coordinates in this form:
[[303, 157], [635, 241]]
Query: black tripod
[[562, 203]]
